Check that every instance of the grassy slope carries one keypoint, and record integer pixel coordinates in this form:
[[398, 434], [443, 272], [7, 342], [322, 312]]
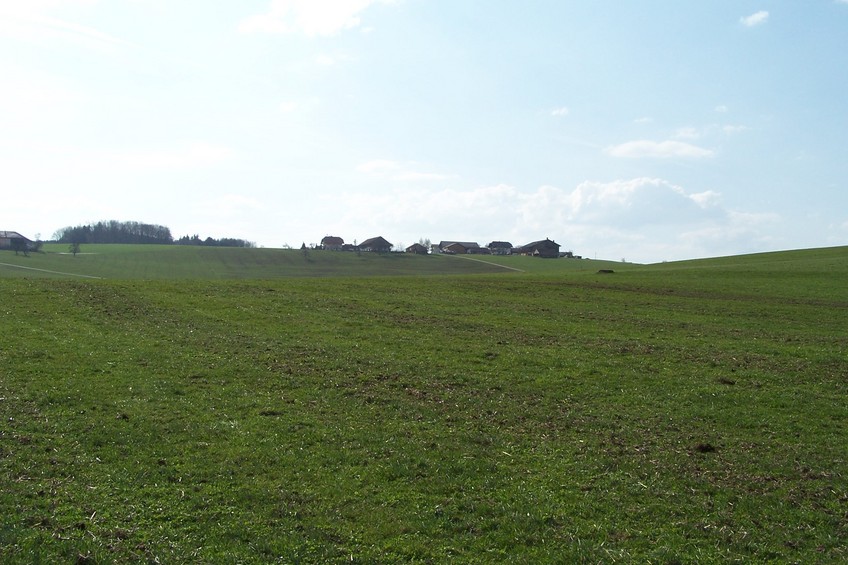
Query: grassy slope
[[691, 412], [153, 262]]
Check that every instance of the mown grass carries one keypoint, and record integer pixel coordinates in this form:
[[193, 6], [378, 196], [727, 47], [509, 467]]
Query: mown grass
[[674, 413]]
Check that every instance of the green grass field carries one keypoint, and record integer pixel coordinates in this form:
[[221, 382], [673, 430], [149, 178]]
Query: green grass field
[[158, 262], [255, 406]]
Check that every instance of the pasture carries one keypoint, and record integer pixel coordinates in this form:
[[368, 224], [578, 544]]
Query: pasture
[[269, 409]]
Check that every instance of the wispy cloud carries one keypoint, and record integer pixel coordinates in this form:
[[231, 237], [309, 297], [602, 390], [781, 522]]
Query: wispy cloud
[[287, 106], [187, 156], [309, 17], [693, 133], [659, 150], [397, 171], [190, 156], [227, 206], [560, 112], [378, 166], [30, 21], [755, 19], [687, 133]]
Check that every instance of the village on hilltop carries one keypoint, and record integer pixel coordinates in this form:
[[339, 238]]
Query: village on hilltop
[[545, 248]]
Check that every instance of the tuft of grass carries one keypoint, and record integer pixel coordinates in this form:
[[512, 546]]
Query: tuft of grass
[[673, 413]]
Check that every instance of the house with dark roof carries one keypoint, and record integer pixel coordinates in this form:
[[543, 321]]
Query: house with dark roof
[[332, 243], [376, 245], [459, 247], [417, 248], [15, 241], [544, 248], [500, 248]]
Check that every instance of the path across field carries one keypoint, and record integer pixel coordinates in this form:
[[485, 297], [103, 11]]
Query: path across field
[[48, 271]]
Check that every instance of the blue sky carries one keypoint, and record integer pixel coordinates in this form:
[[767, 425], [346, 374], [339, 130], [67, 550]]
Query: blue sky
[[646, 131]]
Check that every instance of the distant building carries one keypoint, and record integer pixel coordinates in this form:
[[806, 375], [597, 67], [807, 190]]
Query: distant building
[[460, 247], [500, 248], [417, 248], [14, 240], [332, 243], [544, 248], [375, 245]]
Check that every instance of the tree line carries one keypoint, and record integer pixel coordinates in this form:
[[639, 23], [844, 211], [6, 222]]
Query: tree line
[[212, 242], [113, 231]]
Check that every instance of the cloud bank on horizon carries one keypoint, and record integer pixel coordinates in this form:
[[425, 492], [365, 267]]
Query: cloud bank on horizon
[[702, 131]]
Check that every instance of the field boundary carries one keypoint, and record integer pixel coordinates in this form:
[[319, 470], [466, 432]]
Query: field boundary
[[49, 271]]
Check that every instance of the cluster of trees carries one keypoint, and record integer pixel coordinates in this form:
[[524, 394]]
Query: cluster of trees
[[113, 231], [212, 242]]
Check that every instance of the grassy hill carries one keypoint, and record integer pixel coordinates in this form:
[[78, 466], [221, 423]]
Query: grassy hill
[[151, 262], [681, 412]]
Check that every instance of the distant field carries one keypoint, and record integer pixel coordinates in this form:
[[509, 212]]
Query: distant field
[[156, 262], [319, 410]]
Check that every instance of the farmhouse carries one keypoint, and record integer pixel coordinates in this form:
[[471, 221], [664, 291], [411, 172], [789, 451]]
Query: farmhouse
[[332, 243], [376, 245], [461, 247], [545, 248], [14, 240], [500, 248], [417, 248]]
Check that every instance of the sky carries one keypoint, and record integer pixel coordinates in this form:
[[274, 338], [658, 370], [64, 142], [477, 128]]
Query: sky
[[645, 131]]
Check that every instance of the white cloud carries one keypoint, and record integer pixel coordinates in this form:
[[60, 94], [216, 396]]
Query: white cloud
[[706, 199], [687, 133], [721, 109], [636, 202], [560, 112], [755, 19], [659, 149], [310, 17], [642, 219]]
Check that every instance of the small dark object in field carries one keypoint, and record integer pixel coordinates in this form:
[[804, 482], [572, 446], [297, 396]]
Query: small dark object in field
[[605, 271], [726, 381], [705, 448], [122, 416]]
